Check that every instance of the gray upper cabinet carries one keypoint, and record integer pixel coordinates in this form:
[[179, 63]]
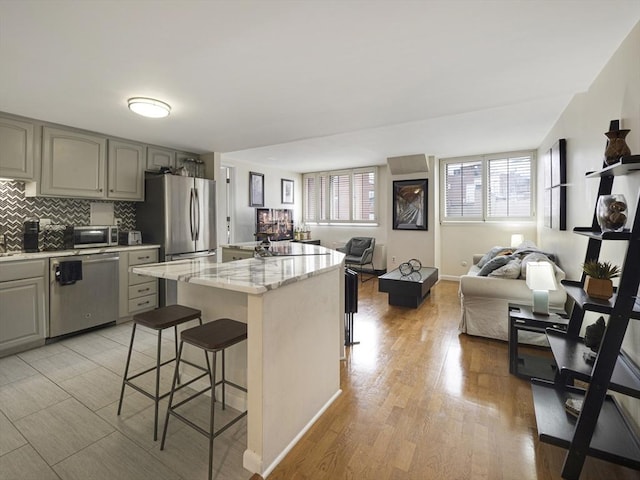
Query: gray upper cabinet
[[73, 164], [160, 157], [16, 149], [126, 164]]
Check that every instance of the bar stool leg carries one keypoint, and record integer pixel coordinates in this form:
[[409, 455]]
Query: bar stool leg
[[126, 368], [224, 395], [173, 387], [213, 412], [157, 399]]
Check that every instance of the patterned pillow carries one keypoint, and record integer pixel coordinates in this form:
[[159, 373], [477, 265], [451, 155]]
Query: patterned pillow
[[511, 270], [493, 264]]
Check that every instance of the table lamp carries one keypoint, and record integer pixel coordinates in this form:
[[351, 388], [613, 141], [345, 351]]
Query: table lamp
[[540, 279], [516, 240]]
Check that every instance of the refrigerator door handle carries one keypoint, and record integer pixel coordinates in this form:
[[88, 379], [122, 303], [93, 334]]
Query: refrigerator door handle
[[191, 214], [197, 215]]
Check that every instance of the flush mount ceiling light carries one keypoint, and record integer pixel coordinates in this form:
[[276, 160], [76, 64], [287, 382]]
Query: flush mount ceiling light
[[149, 107]]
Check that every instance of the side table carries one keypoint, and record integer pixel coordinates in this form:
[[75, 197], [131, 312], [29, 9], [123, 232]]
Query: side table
[[521, 318]]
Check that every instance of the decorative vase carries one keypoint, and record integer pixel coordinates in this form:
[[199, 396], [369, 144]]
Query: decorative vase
[[611, 212], [601, 288], [617, 147]]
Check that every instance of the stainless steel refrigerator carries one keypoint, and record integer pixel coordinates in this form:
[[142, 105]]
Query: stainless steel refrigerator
[[179, 213]]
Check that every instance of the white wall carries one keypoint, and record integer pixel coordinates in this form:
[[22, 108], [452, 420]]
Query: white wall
[[615, 94], [244, 217]]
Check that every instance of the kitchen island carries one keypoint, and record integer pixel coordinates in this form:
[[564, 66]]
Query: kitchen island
[[293, 304]]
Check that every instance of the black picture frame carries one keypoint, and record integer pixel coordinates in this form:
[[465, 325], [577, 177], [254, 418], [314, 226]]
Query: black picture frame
[[256, 189], [410, 204], [286, 191], [555, 199]]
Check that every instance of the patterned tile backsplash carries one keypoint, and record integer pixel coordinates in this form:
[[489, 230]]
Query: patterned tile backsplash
[[15, 207]]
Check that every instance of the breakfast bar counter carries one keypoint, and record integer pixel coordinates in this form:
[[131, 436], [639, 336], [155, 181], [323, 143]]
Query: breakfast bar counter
[[293, 304]]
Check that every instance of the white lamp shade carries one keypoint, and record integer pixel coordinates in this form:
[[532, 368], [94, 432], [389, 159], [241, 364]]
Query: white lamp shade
[[540, 276], [516, 240], [149, 107]]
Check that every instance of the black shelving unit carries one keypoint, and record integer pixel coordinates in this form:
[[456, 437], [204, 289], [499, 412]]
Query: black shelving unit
[[601, 430]]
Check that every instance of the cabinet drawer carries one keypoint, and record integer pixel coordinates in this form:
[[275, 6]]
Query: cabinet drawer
[[140, 257], [143, 289], [143, 303], [135, 279], [23, 269]]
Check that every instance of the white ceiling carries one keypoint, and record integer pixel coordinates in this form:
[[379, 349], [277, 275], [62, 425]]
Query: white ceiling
[[310, 85]]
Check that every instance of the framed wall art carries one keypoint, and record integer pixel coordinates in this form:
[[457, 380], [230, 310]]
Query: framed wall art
[[286, 188], [410, 204], [556, 186], [256, 189]]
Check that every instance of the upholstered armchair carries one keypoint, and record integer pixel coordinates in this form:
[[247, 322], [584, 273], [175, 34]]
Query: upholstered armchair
[[359, 252]]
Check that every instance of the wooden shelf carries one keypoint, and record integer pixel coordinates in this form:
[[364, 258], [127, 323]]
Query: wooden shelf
[[613, 439], [625, 166], [575, 291], [568, 353], [598, 235]]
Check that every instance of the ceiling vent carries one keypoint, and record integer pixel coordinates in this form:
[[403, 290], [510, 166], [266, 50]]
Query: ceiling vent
[[408, 164]]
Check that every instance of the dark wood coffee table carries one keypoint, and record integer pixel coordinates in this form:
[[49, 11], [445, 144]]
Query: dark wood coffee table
[[408, 290]]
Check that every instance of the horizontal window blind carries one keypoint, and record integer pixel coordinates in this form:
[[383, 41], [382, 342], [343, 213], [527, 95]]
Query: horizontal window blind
[[489, 187]]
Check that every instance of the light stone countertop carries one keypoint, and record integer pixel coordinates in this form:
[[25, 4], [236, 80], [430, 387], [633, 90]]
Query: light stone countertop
[[292, 262], [19, 255]]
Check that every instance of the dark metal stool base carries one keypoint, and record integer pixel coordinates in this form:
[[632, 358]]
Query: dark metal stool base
[[158, 319], [212, 337]]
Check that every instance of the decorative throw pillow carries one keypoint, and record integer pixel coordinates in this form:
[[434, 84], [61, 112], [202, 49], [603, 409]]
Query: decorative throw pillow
[[511, 270], [493, 264], [533, 257], [489, 255]]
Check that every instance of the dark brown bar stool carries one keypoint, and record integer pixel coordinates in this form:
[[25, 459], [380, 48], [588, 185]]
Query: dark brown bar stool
[[211, 337], [158, 319]]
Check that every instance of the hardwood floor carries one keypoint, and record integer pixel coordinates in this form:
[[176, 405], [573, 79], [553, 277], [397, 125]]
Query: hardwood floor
[[421, 401]]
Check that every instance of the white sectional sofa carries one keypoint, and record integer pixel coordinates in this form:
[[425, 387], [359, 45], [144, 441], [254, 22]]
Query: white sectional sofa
[[484, 301]]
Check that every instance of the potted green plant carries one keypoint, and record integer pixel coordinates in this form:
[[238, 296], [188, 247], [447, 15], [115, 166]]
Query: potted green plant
[[598, 283]]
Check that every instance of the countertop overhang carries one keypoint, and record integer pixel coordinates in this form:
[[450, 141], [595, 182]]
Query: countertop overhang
[[291, 262], [12, 256]]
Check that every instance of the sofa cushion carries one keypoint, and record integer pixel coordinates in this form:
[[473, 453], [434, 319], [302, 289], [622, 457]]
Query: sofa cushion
[[493, 264], [510, 270]]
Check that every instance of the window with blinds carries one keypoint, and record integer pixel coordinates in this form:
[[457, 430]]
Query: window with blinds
[[345, 196], [490, 187]]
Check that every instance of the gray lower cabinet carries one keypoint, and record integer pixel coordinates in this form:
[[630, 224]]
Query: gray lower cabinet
[[73, 163], [126, 163], [23, 303], [16, 149], [137, 292]]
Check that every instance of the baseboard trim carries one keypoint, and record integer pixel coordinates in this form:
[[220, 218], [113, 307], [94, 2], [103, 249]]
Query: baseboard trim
[[293, 442], [452, 278]]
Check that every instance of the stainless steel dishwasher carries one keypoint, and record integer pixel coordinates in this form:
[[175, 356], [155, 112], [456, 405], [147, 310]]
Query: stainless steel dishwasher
[[83, 292]]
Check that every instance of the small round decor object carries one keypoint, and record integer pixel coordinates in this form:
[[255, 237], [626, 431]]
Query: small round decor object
[[413, 276], [610, 212], [405, 268], [416, 265]]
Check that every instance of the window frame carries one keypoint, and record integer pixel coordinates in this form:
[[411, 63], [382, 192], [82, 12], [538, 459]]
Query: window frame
[[484, 161], [322, 182]]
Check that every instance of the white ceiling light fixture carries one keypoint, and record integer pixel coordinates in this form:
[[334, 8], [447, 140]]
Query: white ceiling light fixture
[[149, 107]]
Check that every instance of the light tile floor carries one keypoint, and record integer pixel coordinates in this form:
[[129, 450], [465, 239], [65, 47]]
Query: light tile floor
[[58, 416]]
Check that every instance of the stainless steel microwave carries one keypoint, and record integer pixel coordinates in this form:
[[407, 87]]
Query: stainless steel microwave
[[95, 236]]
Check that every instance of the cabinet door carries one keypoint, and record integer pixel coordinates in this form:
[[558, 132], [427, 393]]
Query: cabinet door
[[73, 164], [126, 170], [160, 157], [23, 319], [16, 149]]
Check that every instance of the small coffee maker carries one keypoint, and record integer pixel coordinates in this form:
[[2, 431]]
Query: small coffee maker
[[30, 235]]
